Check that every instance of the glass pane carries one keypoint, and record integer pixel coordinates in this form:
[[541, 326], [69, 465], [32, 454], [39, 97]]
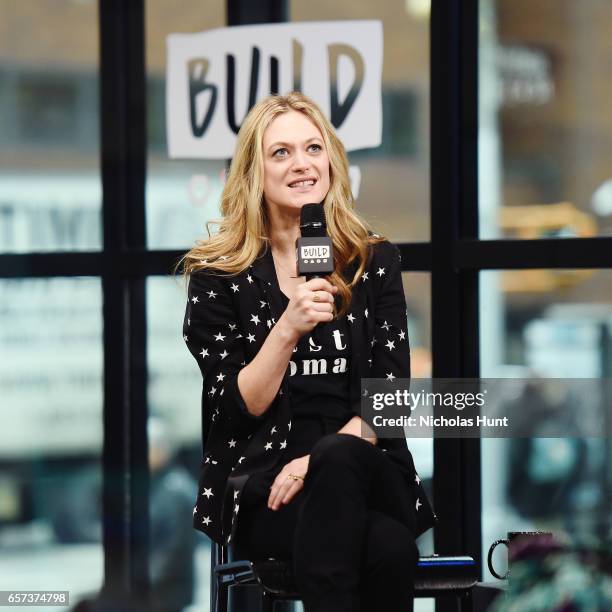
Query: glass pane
[[181, 194], [50, 190], [545, 125], [51, 435], [536, 325], [179, 555], [394, 189]]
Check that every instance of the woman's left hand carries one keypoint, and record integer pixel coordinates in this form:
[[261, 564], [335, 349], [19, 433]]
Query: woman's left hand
[[284, 488]]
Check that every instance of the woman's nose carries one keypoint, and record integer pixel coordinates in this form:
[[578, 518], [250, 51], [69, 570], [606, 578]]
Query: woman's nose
[[300, 162]]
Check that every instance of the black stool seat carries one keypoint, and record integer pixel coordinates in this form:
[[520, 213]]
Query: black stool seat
[[435, 575]]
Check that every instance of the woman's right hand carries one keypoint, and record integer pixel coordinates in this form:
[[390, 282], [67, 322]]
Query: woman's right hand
[[303, 312]]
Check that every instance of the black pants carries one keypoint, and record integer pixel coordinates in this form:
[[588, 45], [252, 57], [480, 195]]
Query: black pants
[[349, 533]]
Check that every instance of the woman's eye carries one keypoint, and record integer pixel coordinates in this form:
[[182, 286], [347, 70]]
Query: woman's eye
[[316, 147], [280, 152]]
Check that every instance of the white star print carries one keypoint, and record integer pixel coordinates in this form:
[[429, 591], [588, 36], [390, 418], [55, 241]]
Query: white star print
[[232, 443], [211, 294], [251, 338], [220, 337], [212, 390], [185, 338], [390, 376], [365, 276], [418, 504], [235, 287], [236, 507], [289, 426], [188, 321], [350, 317], [390, 345], [283, 444], [208, 493], [241, 459], [255, 319], [222, 390], [236, 494], [268, 445], [380, 272], [223, 355], [385, 326], [206, 520], [195, 509], [417, 479], [249, 278], [195, 299], [232, 326], [207, 460], [263, 304], [366, 313], [273, 430], [402, 334], [220, 377]]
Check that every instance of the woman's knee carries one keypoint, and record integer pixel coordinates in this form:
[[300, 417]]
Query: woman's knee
[[337, 448]]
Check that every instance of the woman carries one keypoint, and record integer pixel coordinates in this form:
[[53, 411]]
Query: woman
[[290, 470]]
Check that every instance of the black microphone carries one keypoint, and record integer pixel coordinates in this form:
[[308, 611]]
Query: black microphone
[[314, 251]]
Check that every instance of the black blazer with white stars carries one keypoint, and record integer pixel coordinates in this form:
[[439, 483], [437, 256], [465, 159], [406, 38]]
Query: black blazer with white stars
[[226, 322]]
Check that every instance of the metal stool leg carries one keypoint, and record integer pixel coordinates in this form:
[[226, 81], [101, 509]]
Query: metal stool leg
[[222, 597]]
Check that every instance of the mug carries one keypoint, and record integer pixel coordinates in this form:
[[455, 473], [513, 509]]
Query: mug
[[510, 543]]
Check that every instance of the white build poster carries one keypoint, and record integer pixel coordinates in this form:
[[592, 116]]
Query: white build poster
[[214, 77]]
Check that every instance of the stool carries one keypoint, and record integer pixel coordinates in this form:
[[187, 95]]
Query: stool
[[435, 576]]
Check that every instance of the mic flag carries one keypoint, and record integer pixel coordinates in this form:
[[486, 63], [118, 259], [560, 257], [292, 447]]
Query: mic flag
[[314, 250]]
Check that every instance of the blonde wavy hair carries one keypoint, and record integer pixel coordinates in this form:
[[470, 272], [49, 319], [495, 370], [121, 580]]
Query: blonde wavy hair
[[243, 229]]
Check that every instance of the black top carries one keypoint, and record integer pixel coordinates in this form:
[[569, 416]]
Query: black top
[[319, 392]]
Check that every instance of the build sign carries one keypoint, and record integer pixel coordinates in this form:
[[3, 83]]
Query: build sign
[[213, 78]]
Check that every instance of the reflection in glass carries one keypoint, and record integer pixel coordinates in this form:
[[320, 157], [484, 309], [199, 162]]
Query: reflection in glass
[[553, 324], [50, 192], [50, 434], [544, 124]]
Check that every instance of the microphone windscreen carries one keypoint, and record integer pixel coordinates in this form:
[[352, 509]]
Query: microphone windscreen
[[312, 220]]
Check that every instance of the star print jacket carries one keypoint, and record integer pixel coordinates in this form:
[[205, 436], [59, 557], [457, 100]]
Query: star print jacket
[[226, 322]]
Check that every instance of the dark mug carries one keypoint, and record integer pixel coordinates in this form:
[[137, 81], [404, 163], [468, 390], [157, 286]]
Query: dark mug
[[510, 543]]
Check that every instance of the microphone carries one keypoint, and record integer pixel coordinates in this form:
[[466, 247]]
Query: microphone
[[314, 252]]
